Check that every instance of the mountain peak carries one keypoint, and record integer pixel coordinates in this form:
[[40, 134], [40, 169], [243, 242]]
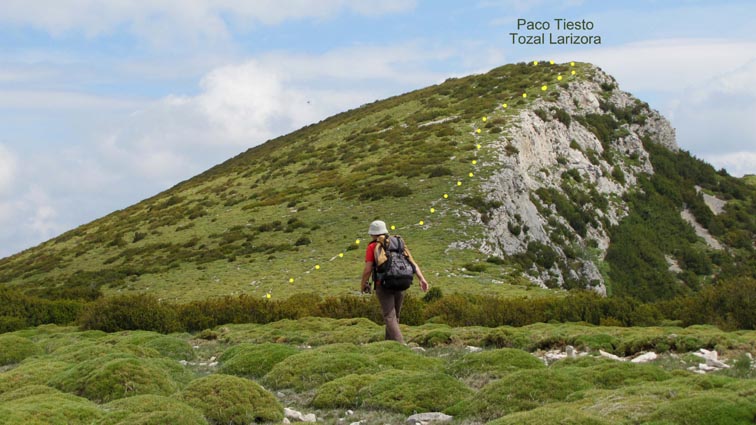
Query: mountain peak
[[526, 177]]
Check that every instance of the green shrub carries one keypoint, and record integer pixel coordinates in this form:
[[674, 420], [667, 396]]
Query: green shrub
[[14, 348], [706, 409], [130, 312], [171, 347], [150, 410], [82, 351], [410, 392], [254, 360], [549, 415], [523, 390], [228, 399], [345, 392], [30, 372], [310, 369], [115, 376], [496, 363], [619, 374], [55, 409], [27, 391]]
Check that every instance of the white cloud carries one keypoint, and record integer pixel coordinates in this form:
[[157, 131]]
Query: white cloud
[[736, 163], [7, 169], [187, 20]]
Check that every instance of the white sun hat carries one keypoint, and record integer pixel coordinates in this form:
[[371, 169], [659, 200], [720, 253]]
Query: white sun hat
[[377, 228]]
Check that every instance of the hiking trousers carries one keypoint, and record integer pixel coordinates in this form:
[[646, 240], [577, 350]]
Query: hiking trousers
[[391, 305]]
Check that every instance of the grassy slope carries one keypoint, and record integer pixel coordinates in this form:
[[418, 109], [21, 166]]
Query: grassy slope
[[58, 364], [234, 228]]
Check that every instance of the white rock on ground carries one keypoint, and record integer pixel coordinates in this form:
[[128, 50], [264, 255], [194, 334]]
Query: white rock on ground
[[293, 415], [645, 358], [428, 417], [610, 356]]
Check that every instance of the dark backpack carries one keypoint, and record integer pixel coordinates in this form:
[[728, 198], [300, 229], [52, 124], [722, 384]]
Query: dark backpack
[[397, 271]]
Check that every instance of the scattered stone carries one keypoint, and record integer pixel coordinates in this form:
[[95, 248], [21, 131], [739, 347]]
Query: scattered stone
[[610, 356], [472, 349], [285, 421], [350, 412], [645, 358], [295, 416], [356, 423], [428, 417], [280, 394], [570, 350], [418, 349]]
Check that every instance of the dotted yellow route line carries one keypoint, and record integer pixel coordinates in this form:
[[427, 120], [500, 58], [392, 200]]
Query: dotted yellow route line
[[477, 133]]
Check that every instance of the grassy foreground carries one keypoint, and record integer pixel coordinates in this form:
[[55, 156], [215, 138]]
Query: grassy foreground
[[248, 372]]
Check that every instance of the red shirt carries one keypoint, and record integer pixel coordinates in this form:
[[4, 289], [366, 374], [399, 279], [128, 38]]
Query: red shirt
[[370, 253]]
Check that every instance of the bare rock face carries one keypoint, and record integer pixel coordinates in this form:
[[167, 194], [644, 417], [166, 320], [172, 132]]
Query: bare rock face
[[550, 155]]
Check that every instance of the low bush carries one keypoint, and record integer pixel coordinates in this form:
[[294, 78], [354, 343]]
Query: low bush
[[392, 390], [706, 409], [50, 408], [130, 312], [171, 347], [410, 392], [614, 375], [549, 415], [14, 348], [115, 376], [345, 392], [518, 391], [495, 363], [31, 372], [254, 360], [150, 409], [310, 369], [225, 399]]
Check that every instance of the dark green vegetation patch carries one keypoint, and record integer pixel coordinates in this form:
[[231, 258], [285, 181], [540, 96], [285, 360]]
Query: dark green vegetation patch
[[231, 400]]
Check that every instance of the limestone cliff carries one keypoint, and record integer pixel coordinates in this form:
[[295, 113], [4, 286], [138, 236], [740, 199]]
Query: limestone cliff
[[564, 164]]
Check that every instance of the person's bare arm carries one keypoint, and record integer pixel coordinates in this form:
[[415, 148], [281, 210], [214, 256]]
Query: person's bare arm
[[366, 272], [418, 272]]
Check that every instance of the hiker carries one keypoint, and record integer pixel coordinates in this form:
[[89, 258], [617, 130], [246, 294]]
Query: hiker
[[390, 282]]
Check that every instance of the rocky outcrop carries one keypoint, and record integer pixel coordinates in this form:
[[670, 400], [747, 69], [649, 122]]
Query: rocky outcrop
[[553, 147]]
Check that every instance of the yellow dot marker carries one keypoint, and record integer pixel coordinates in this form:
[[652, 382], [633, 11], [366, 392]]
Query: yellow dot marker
[[485, 119], [504, 105], [474, 162], [341, 255], [524, 95], [544, 87], [559, 78], [535, 63], [432, 210], [422, 222], [291, 280], [446, 196], [317, 266], [573, 72], [572, 63], [470, 174], [477, 146], [477, 131], [357, 242], [267, 295], [551, 62], [459, 183]]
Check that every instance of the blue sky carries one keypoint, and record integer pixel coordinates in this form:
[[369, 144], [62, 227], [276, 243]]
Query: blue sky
[[105, 103]]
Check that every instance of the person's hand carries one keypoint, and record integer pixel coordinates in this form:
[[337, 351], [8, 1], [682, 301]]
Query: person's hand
[[424, 285], [365, 288]]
